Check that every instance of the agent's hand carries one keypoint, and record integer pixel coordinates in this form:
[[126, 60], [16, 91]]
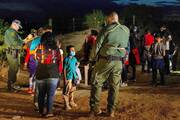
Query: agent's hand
[[122, 49]]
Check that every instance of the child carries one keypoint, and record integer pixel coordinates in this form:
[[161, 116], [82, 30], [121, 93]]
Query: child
[[70, 77], [60, 61], [157, 51], [148, 41], [124, 74], [30, 62]]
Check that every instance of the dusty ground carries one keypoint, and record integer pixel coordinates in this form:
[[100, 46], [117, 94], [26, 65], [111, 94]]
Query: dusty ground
[[139, 101]]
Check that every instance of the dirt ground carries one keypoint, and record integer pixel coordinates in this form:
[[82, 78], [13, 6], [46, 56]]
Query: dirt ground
[[138, 101]]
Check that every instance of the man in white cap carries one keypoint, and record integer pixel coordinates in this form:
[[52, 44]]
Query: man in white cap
[[14, 43]]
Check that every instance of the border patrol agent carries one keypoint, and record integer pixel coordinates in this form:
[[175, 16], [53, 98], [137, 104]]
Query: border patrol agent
[[110, 49], [13, 42]]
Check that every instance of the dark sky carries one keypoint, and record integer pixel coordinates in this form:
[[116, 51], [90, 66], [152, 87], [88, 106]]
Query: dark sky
[[45, 8], [38, 11], [42, 8], [151, 2], [62, 11]]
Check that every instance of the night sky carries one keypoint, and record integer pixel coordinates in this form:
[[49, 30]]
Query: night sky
[[38, 11], [150, 2], [45, 8]]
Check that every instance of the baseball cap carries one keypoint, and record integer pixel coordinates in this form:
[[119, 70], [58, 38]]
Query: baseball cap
[[17, 22]]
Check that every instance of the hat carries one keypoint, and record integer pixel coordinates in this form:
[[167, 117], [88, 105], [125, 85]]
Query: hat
[[17, 22]]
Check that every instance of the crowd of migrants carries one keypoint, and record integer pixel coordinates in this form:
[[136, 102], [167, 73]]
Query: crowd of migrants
[[153, 51], [46, 64]]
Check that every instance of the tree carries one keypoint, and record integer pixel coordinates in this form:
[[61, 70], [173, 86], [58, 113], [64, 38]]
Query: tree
[[94, 19], [3, 27]]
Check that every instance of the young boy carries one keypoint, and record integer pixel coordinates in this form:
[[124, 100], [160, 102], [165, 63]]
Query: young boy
[[157, 51], [70, 77]]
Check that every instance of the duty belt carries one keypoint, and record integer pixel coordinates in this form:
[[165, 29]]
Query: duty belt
[[13, 52], [111, 58]]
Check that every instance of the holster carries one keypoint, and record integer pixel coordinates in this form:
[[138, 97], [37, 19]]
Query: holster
[[13, 52]]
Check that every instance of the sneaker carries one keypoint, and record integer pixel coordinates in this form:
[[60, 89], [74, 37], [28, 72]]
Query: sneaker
[[58, 88], [36, 106], [68, 108], [93, 113], [111, 114], [30, 91], [124, 85], [16, 87], [49, 115], [32, 94], [72, 104], [42, 115]]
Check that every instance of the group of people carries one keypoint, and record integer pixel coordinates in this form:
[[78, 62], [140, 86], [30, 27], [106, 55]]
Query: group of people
[[154, 52], [113, 49], [45, 63], [141, 51]]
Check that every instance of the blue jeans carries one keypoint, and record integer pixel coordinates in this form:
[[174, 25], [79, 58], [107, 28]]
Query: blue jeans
[[158, 64], [47, 88]]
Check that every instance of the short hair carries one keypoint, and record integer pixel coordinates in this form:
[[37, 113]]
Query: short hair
[[111, 14], [47, 27], [157, 35], [69, 47], [148, 30], [34, 32], [114, 15], [163, 26], [94, 32], [40, 31]]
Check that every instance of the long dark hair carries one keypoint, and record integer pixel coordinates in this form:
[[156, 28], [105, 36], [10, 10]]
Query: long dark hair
[[48, 40]]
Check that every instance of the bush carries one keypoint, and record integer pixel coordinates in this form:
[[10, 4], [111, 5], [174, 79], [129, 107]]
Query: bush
[[95, 19], [3, 27]]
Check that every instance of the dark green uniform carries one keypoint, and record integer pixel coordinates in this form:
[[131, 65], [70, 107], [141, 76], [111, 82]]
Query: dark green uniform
[[108, 64], [13, 43]]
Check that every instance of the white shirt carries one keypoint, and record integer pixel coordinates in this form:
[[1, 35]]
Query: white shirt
[[61, 51]]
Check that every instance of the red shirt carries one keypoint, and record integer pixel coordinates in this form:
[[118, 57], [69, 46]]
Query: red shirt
[[92, 40], [149, 39], [27, 55]]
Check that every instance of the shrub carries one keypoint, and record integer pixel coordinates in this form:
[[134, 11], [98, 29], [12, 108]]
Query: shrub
[[94, 19]]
